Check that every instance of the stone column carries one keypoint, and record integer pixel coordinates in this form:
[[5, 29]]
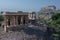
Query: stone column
[[26, 19], [16, 20], [12, 21], [7, 21], [5, 24], [21, 19]]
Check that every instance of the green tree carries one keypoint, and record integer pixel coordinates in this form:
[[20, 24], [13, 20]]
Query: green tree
[[1, 18], [56, 16], [55, 21]]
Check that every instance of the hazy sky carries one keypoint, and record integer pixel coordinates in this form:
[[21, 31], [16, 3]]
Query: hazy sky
[[26, 5]]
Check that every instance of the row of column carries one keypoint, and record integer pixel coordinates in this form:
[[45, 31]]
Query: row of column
[[14, 20]]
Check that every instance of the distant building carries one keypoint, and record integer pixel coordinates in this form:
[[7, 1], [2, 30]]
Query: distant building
[[48, 9], [52, 7], [57, 11], [46, 12], [45, 16], [32, 16]]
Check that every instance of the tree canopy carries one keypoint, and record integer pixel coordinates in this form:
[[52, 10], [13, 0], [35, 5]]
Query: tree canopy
[[56, 16], [1, 18], [55, 21]]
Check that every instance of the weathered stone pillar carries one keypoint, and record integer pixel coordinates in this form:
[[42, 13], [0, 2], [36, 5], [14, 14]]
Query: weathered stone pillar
[[6, 21], [11, 20], [21, 19], [16, 20], [26, 20], [5, 25]]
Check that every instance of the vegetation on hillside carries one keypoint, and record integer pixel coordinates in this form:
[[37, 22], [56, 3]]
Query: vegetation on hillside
[[55, 21]]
